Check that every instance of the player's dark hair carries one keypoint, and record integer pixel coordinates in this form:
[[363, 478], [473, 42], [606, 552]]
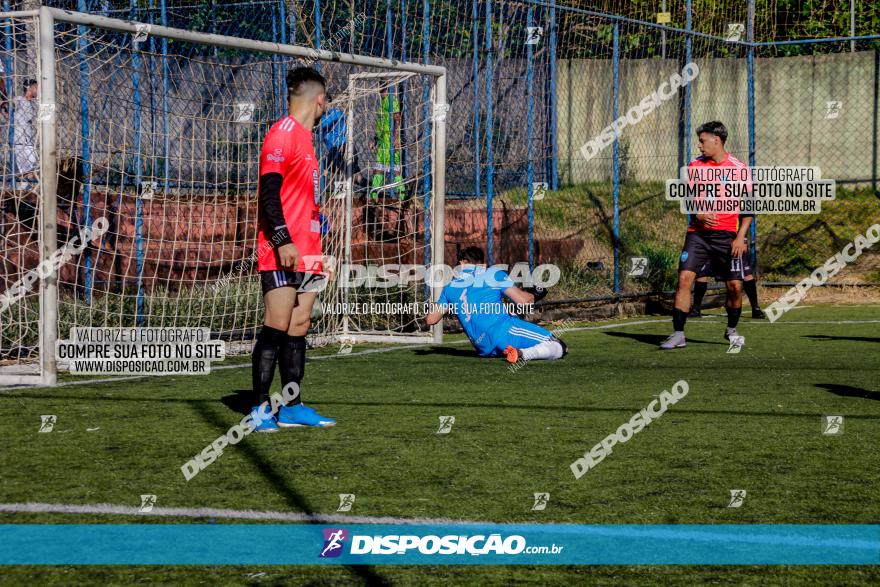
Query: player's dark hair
[[299, 80], [471, 255], [714, 128]]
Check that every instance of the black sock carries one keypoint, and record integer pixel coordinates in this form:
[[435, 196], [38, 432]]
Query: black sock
[[263, 361], [679, 317], [292, 363], [733, 317], [700, 288], [751, 289]]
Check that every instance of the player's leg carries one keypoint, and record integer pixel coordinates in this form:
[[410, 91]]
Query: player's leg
[[292, 360], [279, 299], [694, 257], [733, 305], [750, 287], [731, 269], [701, 285], [523, 341]]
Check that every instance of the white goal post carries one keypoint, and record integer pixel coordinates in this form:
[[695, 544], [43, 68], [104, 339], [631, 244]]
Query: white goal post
[[164, 147]]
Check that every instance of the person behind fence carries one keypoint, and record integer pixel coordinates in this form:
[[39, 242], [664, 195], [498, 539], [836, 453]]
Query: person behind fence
[[476, 295], [384, 209], [334, 135], [25, 133]]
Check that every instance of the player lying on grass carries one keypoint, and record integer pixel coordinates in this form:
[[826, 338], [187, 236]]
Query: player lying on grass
[[713, 245], [289, 246], [476, 295]]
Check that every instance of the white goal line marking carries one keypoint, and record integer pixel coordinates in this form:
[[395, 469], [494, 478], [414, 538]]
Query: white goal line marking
[[425, 345], [123, 510]]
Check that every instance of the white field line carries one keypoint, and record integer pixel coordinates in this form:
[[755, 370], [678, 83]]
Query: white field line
[[418, 346], [122, 510]]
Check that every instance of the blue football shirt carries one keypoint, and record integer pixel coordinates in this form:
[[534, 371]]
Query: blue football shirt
[[475, 295]]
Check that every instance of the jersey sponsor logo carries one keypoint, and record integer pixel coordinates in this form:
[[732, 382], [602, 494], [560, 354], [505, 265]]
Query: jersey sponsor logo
[[277, 156]]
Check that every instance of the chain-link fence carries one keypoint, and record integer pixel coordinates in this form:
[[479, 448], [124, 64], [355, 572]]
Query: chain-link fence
[[533, 84]]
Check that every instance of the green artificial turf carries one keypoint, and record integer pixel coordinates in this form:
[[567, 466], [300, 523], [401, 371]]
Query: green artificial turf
[[750, 421]]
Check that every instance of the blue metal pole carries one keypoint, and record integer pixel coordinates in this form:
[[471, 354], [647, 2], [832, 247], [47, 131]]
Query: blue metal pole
[[478, 180], [10, 90], [490, 162], [139, 204], [214, 20], [282, 23], [688, 57], [426, 114], [750, 65], [317, 15], [402, 93], [292, 23], [166, 138], [554, 146], [82, 48], [150, 66], [529, 129], [276, 82], [615, 109]]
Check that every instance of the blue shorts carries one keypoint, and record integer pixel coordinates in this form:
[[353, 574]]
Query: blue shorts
[[518, 334]]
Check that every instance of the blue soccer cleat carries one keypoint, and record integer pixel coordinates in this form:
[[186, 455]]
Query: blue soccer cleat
[[302, 415], [264, 420]]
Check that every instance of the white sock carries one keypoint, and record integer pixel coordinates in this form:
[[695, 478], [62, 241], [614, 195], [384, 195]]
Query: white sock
[[549, 349]]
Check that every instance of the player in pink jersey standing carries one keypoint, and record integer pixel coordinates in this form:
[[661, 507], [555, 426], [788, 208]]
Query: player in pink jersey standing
[[289, 251], [714, 243]]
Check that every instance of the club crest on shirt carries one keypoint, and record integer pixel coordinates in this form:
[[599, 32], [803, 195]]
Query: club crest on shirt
[[276, 156]]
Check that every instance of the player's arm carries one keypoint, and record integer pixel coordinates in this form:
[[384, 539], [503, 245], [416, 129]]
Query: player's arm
[[434, 317], [739, 246], [519, 296], [269, 201], [441, 308]]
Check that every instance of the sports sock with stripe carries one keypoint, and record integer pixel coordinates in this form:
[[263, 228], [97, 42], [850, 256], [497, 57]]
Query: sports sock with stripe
[[292, 363], [547, 350], [263, 360], [700, 288]]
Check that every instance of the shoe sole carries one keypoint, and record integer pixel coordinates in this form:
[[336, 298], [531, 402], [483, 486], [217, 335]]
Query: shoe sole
[[267, 430], [669, 348], [285, 425]]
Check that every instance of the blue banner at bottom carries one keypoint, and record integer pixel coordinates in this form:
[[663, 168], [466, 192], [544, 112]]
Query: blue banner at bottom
[[448, 544]]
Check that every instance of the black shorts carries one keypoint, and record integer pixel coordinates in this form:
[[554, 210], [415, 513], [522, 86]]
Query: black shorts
[[300, 281], [708, 253], [747, 270]]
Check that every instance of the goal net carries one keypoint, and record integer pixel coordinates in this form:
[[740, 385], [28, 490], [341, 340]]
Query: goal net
[[153, 137]]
